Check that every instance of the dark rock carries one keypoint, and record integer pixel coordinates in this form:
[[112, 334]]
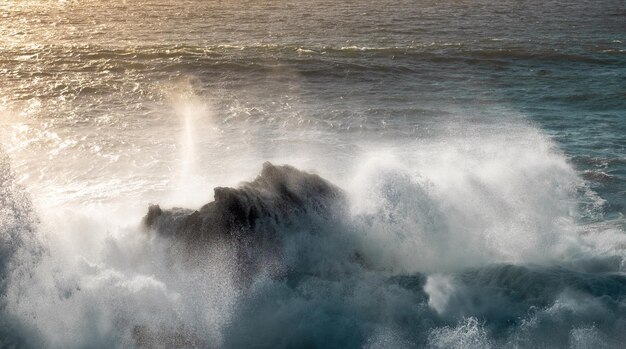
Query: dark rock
[[253, 216], [154, 211]]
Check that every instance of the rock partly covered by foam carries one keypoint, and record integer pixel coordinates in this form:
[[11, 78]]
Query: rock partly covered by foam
[[253, 213]]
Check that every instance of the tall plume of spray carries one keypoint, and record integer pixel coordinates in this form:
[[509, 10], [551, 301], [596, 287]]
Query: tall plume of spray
[[196, 119]]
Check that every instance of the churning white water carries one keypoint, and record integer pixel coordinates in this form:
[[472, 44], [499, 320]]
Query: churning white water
[[421, 214]]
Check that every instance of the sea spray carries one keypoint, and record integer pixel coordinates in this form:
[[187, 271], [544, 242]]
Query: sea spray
[[415, 257], [196, 125], [20, 251], [467, 201]]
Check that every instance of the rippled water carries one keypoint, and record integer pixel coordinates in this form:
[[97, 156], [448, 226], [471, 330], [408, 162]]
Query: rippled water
[[86, 78], [508, 116]]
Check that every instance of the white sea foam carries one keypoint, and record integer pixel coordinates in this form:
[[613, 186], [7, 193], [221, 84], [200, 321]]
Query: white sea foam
[[393, 272]]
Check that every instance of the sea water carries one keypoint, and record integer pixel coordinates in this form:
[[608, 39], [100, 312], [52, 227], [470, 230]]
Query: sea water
[[481, 146]]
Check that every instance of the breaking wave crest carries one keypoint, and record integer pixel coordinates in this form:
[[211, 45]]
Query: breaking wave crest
[[457, 247]]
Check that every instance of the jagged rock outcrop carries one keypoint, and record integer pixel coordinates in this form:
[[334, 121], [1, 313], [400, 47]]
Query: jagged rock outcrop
[[253, 216]]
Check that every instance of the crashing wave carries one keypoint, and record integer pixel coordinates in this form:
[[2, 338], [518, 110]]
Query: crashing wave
[[283, 261], [298, 224]]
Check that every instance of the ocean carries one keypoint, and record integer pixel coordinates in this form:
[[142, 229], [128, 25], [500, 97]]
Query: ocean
[[361, 174]]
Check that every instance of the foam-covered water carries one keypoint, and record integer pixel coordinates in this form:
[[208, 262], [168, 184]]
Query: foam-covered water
[[475, 153]]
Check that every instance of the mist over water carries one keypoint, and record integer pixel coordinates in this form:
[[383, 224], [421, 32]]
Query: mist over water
[[470, 192]]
